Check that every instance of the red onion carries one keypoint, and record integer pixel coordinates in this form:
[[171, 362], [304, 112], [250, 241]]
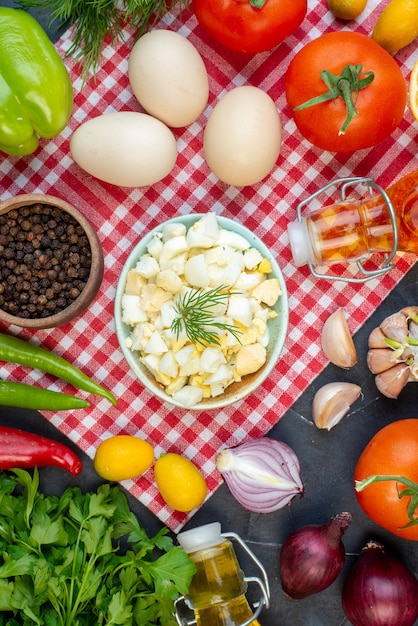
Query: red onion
[[312, 557], [263, 475], [380, 590]]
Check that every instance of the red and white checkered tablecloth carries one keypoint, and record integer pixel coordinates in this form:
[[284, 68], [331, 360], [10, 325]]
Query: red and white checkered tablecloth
[[121, 216]]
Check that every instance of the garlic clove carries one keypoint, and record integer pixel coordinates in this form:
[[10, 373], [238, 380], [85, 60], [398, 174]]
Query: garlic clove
[[396, 366], [410, 312], [380, 360], [413, 373], [332, 402], [413, 329], [336, 340], [391, 382], [395, 327], [377, 339]]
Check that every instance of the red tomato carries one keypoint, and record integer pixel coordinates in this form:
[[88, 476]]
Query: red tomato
[[392, 451], [239, 25], [380, 105]]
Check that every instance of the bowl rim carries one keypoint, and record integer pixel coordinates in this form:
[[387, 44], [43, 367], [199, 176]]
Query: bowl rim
[[255, 241], [95, 278]]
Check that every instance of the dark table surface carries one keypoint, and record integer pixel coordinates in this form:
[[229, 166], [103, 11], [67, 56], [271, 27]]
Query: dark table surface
[[327, 462]]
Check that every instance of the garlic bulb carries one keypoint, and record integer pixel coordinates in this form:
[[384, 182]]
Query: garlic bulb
[[332, 402], [336, 340], [393, 352]]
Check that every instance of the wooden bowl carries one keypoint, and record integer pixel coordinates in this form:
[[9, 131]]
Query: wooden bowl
[[92, 285]]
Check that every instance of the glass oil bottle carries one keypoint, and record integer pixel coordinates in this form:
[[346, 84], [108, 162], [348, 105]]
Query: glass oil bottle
[[355, 227], [217, 590]]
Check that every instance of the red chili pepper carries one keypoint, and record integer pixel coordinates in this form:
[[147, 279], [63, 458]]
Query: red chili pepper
[[22, 449]]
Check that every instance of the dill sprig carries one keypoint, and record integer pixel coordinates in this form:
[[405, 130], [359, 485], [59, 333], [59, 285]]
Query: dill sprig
[[195, 315], [98, 20]]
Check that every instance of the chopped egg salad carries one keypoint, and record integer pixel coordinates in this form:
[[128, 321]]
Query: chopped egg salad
[[226, 283]]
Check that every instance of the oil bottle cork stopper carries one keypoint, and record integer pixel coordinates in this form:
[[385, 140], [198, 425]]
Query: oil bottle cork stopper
[[300, 243], [200, 537]]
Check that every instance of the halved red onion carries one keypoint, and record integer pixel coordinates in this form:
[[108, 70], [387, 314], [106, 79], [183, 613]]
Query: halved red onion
[[263, 474]]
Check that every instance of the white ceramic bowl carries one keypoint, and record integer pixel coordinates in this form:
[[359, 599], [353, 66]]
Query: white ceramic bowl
[[277, 326]]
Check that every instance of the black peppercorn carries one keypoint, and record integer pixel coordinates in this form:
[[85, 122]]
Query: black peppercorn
[[45, 261]]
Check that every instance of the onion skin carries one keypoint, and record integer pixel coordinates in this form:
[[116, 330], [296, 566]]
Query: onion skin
[[263, 474], [312, 557], [380, 590]]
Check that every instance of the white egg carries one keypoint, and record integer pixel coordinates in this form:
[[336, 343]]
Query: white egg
[[242, 138], [126, 148], [168, 77], [195, 271]]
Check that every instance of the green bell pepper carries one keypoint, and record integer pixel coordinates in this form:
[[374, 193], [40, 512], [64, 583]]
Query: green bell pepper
[[36, 95]]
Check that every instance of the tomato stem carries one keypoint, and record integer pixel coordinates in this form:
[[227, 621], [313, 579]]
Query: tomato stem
[[344, 86], [411, 490], [257, 4]]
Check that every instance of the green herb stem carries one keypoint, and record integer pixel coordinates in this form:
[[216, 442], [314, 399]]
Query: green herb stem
[[196, 316], [96, 20]]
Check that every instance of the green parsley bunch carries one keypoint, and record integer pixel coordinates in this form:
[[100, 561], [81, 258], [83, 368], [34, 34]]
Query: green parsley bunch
[[61, 562]]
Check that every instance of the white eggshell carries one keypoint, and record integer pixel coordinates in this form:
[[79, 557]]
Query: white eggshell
[[168, 77], [242, 138], [126, 148]]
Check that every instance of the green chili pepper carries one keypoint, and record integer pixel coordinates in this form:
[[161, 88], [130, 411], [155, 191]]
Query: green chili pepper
[[36, 96], [15, 350], [29, 397]]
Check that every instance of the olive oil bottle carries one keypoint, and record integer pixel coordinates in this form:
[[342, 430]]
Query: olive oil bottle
[[217, 590], [354, 228]]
